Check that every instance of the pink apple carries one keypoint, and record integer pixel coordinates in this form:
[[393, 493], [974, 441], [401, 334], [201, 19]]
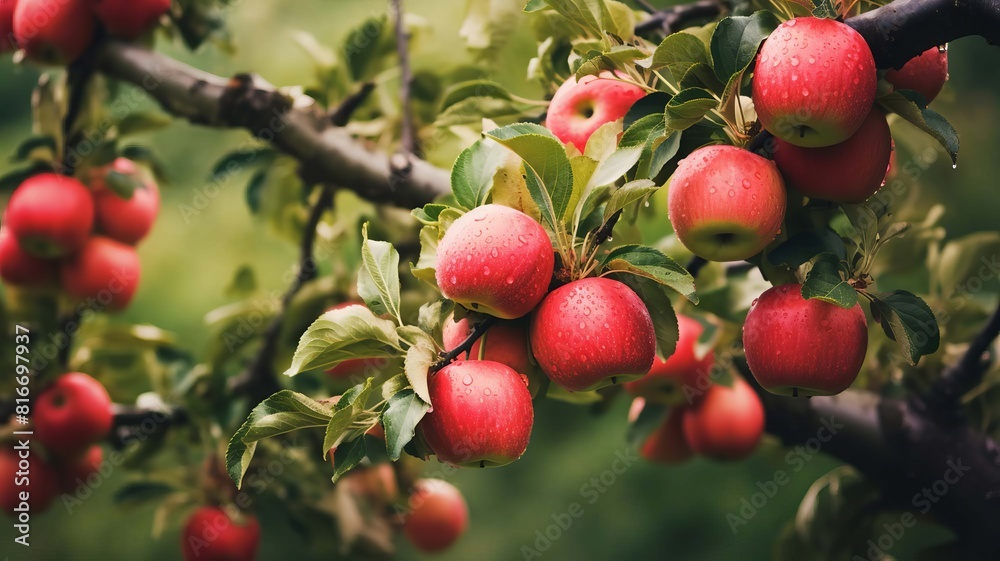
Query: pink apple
[[580, 108], [438, 515], [481, 414], [727, 423], [18, 268], [592, 333], [50, 215], [126, 220], [803, 347], [495, 260], [129, 18], [848, 172], [924, 74], [506, 342], [54, 31], [814, 82], [667, 443], [104, 272], [667, 379], [726, 203]]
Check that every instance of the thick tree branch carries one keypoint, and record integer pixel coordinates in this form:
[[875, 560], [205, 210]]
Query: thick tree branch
[[968, 372], [675, 18], [327, 154]]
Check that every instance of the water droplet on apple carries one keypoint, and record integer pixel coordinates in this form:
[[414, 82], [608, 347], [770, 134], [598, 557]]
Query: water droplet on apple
[[607, 326], [489, 239], [468, 391], [805, 92], [454, 279], [583, 325], [586, 311], [479, 233], [468, 257], [812, 60], [794, 60], [583, 358], [467, 380], [754, 303], [795, 77], [746, 183], [488, 392], [510, 280], [732, 193], [494, 253], [522, 240], [486, 271], [712, 190], [480, 218]]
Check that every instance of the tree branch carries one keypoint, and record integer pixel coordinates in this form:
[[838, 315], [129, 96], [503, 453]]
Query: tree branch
[[968, 372], [327, 154], [674, 18], [342, 114], [408, 138], [260, 380]]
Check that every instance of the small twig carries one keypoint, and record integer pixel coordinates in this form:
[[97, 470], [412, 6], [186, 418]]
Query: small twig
[[342, 114], [259, 380], [968, 372], [606, 230], [466, 346], [136, 424], [406, 79]]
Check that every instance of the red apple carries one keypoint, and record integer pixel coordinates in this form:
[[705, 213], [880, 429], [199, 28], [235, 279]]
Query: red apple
[[104, 271], [848, 172], [129, 18], [211, 535], [438, 515], [924, 74], [682, 369], [495, 260], [726, 203], [75, 473], [667, 443], [727, 423], [481, 414], [355, 367], [506, 342], [592, 333], [126, 220], [50, 215], [18, 268], [7, 25], [53, 31], [27, 485], [580, 108], [72, 414], [803, 347], [814, 82]]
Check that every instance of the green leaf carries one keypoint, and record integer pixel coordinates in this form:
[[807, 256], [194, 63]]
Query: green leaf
[[825, 9], [432, 316], [549, 175], [234, 162], [736, 40], [143, 121], [618, 57], [348, 456], [360, 47], [28, 150], [351, 404], [244, 282], [343, 334], [378, 280], [824, 282], [426, 265], [643, 131], [419, 358], [283, 412], [653, 264], [591, 15], [962, 260], [865, 223], [629, 193], [911, 107], [661, 310], [474, 88], [688, 107], [402, 413], [806, 245], [474, 109], [907, 320], [678, 52], [430, 213], [254, 193], [12, 180], [472, 174]]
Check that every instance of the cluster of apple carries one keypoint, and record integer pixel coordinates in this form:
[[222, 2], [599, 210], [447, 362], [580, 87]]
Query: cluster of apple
[[57, 231], [712, 420], [69, 418], [59, 31]]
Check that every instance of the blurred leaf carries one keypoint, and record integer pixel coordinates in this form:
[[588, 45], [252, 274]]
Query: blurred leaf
[[913, 108], [122, 184], [962, 260], [402, 413], [237, 161], [243, 283], [907, 320], [360, 46], [557, 393], [15, 178], [255, 191], [650, 418], [38, 148], [806, 245], [143, 491], [143, 121], [474, 88]]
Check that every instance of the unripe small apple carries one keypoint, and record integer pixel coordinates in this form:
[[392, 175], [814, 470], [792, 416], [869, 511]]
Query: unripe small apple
[[33, 476], [667, 378], [727, 423], [50, 215], [924, 74], [580, 108], [814, 82], [506, 342], [126, 220], [19, 268], [592, 333], [129, 19], [7, 25], [72, 414], [211, 535], [803, 347], [726, 203], [104, 271], [481, 414], [53, 31], [76, 472], [495, 260], [438, 515], [848, 172], [667, 443]]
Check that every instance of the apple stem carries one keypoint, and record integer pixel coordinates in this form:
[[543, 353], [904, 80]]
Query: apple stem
[[465, 346]]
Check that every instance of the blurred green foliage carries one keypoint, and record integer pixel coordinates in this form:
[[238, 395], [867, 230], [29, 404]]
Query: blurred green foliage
[[649, 512]]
